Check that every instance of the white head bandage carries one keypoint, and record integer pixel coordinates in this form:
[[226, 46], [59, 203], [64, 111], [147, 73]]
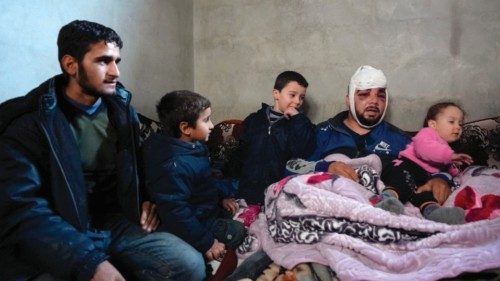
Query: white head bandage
[[367, 77]]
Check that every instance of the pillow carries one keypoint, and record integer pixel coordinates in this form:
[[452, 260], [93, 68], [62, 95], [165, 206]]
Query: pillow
[[223, 141], [481, 140], [147, 126]]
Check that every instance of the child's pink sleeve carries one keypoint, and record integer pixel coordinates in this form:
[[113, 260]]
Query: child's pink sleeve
[[430, 147]]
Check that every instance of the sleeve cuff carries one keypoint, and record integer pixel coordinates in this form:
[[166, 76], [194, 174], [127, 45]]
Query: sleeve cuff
[[205, 244], [445, 176], [322, 166]]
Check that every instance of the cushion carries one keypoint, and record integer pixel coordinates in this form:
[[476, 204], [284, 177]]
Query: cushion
[[223, 141], [481, 140], [147, 126]]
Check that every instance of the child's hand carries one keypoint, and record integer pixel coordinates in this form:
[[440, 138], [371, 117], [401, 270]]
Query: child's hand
[[230, 205], [461, 158], [216, 252], [291, 111]]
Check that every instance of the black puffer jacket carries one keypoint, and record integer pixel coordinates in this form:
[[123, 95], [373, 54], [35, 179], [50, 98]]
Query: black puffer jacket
[[265, 149], [44, 224], [179, 179]]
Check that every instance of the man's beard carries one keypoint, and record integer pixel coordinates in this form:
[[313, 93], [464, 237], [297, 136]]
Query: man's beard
[[367, 122], [83, 82]]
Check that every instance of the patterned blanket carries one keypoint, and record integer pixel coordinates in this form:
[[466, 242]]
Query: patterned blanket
[[328, 220]]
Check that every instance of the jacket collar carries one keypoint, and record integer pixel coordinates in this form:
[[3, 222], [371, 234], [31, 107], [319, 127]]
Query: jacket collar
[[336, 122], [48, 100]]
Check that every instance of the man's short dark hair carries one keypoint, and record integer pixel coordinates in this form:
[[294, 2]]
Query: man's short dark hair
[[289, 76], [75, 38], [180, 106]]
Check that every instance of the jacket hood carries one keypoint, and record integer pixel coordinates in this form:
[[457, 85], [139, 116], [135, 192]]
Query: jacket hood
[[337, 120], [48, 99], [170, 147], [44, 98]]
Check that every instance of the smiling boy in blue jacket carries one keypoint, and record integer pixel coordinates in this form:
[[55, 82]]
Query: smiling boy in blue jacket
[[272, 136]]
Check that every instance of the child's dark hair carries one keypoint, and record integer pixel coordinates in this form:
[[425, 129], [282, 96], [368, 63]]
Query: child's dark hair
[[75, 38], [288, 76], [180, 106], [435, 109]]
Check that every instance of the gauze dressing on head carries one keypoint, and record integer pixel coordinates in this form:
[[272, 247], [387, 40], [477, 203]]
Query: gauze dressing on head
[[367, 77]]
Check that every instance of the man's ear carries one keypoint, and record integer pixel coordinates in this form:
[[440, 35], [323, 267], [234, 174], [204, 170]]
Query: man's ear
[[185, 128], [69, 64], [431, 123]]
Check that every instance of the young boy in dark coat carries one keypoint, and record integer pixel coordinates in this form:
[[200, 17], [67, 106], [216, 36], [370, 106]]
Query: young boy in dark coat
[[192, 204], [272, 136]]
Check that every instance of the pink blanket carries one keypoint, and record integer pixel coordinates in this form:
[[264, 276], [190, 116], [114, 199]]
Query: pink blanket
[[479, 193], [317, 218]]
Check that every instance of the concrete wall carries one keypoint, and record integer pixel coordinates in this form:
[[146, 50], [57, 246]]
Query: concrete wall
[[157, 34], [430, 51]]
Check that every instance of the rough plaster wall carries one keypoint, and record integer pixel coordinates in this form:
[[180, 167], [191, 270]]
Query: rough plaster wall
[[429, 50], [157, 34]]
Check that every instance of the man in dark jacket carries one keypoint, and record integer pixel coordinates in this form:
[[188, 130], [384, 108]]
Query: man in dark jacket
[[71, 205]]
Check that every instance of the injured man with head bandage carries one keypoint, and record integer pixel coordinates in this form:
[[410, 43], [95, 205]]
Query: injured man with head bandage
[[355, 137]]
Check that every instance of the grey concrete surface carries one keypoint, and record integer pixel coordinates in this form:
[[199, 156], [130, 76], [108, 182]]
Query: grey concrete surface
[[232, 50], [429, 50], [157, 52]]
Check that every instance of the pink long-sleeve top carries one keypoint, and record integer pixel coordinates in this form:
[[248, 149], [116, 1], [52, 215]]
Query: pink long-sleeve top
[[430, 151]]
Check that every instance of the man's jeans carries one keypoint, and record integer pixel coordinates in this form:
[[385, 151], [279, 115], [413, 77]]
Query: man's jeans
[[153, 256], [139, 255]]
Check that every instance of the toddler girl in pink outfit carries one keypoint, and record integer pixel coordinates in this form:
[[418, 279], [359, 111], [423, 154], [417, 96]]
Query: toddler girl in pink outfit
[[427, 154]]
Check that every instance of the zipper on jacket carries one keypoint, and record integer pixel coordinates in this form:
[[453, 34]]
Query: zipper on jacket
[[134, 155], [63, 173]]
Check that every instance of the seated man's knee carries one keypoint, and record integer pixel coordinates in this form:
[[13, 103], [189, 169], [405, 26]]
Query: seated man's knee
[[174, 258], [194, 265]]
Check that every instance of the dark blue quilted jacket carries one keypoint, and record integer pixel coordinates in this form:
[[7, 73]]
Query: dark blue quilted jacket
[[180, 182], [44, 223]]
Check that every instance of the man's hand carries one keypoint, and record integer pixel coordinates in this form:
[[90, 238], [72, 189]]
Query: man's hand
[[439, 187], [149, 217], [343, 170], [230, 205], [107, 272], [290, 111], [216, 252]]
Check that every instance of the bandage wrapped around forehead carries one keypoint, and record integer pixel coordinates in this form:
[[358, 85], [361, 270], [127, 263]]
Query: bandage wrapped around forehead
[[367, 77]]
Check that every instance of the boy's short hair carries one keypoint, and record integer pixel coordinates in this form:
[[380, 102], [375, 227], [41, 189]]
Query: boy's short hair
[[289, 76], [75, 38], [180, 106]]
